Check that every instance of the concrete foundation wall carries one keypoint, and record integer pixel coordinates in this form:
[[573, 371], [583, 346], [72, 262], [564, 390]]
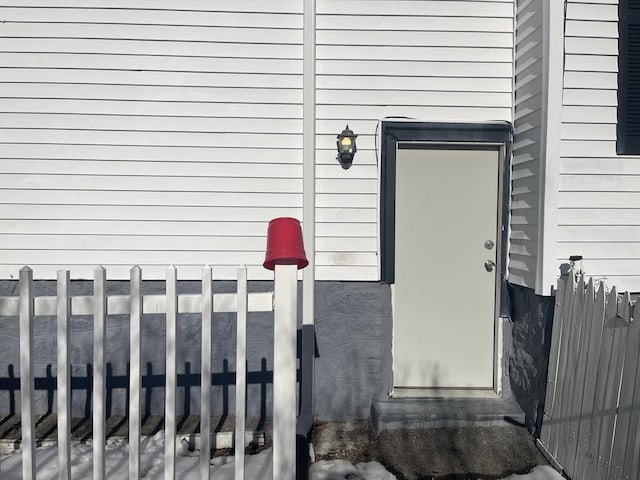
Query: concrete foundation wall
[[531, 324], [353, 353], [353, 365]]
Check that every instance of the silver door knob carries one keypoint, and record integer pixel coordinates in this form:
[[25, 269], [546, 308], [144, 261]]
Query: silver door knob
[[489, 265]]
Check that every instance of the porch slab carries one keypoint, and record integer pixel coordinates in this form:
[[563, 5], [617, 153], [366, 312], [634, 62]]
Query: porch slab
[[440, 412]]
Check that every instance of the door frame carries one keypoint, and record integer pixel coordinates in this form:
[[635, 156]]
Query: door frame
[[493, 135]]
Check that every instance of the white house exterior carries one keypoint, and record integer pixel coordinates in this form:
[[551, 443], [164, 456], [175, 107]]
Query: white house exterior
[[572, 194], [170, 132]]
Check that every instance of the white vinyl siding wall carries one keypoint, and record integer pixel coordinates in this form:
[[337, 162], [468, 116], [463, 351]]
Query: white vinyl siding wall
[[527, 145], [159, 132], [599, 197], [148, 132], [429, 60]]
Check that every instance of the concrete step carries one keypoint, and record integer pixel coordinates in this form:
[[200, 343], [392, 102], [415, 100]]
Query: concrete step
[[458, 453], [422, 413]]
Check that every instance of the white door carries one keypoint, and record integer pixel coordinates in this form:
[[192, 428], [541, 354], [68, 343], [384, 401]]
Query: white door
[[444, 294]]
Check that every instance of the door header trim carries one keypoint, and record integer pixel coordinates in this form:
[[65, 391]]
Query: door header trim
[[434, 135]]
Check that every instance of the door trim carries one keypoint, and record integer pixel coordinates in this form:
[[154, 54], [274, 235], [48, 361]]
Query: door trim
[[496, 135], [476, 136]]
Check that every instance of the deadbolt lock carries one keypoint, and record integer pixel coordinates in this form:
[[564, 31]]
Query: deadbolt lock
[[489, 244]]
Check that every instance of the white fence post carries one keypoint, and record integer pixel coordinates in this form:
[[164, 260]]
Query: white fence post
[[205, 376], [63, 374], [284, 372], [170, 375], [99, 367], [26, 374], [241, 372], [135, 372]]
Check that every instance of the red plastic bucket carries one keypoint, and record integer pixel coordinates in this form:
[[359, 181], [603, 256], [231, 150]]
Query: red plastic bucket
[[284, 244]]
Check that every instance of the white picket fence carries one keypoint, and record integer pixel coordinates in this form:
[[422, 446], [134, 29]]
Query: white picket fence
[[99, 305], [591, 423]]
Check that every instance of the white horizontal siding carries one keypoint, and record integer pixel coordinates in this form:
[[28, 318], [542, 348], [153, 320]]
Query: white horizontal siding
[[621, 165], [601, 216], [159, 228], [125, 124], [606, 80], [146, 93], [155, 133], [239, 153], [592, 200], [528, 124], [415, 38], [201, 243], [144, 32], [147, 16], [432, 8], [176, 214], [275, 6], [599, 199], [430, 60]]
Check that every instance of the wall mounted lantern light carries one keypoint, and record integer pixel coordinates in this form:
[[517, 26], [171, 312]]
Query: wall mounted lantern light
[[346, 147]]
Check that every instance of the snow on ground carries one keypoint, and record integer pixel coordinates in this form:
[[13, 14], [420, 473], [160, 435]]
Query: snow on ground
[[117, 462], [257, 467], [343, 470]]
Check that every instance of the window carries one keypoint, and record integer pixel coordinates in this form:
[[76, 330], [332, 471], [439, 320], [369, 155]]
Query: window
[[628, 131]]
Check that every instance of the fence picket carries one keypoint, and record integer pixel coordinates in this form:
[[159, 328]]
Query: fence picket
[[602, 368], [629, 371], [63, 374], [573, 337], [631, 467], [99, 371], [565, 335], [556, 333], [241, 373], [135, 371], [607, 389], [575, 413], [612, 390], [27, 383], [205, 368], [170, 376], [585, 433]]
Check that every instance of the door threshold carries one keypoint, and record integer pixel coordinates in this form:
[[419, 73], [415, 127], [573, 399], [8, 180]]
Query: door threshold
[[413, 392]]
